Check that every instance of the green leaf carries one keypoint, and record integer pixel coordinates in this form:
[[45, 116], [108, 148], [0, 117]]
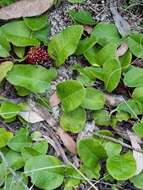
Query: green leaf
[[19, 51], [135, 43], [90, 152], [134, 77], [20, 140], [91, 56], [3, 41], [28, 152], [9, 110], [3, 173], [138, 180], [50, 178], [112, 74], [73, 121], [108, 52], [138, 129], [22, 91], [4, 68], [94, 99], [5, 136], [30, 77], [133, 107], [42, 35], [14, 159], [121, 167], [76, 1], [112, 149], [11, 183], [71, 94], [82, 17], [36, 23], [102, 118], [65, 43], [3, 52], [85, 44], [125, 60], [105, 33], [41, 147], [138, 93]]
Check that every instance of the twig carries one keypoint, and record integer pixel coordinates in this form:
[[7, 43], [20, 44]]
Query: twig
[[117, 141]]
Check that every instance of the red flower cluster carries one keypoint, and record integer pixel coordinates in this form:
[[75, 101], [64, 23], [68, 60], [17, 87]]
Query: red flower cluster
[[37, 55]]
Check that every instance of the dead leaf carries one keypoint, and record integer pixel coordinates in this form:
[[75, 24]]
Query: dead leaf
[[122, 50], [114, 100], [54, 100], [25, 8], [137, 155], [67, 140], [31, 117], [88, 29]]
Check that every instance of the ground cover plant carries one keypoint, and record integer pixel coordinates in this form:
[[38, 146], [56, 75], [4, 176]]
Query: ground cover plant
[[71, 100]]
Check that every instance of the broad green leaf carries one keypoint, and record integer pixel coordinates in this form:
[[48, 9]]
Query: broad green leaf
[[112, 74], [138, 129], [11, 183], [112, 149], [102, 118], [42, 35], [3, 52], [20, 140], [71, 94], [85, 44], [138, 93], [4, 68], [22, 41], [22, 91], [65, 43], [28, 152], [125, 60], [3, 41], [94, 99], [133, 107], [138, 180], [3, 173], [106, 53], [50, 178], [134, 77], [90, 152], [14, 159], [122, 116], [135, 43], [9, 110], [5, 136], [36, 23], [121, 167], [105, 33], [19, 51], [30, 77], [91, 56], [82, 17], [41, 147], [73, 121]]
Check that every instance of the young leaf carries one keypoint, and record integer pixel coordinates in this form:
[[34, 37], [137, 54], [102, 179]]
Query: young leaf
[[91, 56], [82, 17], [90, 152], [112, 74], [134, 77], [50, 178], [121, 167], [105, 33], [36, 23], [71, 94], [4, 68], [125, 60], [73, 121], [20, 140], [30, 77], [94, 99], [135, 43], [65, 43]]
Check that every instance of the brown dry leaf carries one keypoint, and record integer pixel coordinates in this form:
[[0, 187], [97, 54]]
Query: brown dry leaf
[[67, 140], [25, 8], [137, 155], [88, 29], [122, 50], [54, 100]]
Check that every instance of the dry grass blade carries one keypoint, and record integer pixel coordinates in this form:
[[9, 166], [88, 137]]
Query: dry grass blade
[[137, 155], [25, 8]]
